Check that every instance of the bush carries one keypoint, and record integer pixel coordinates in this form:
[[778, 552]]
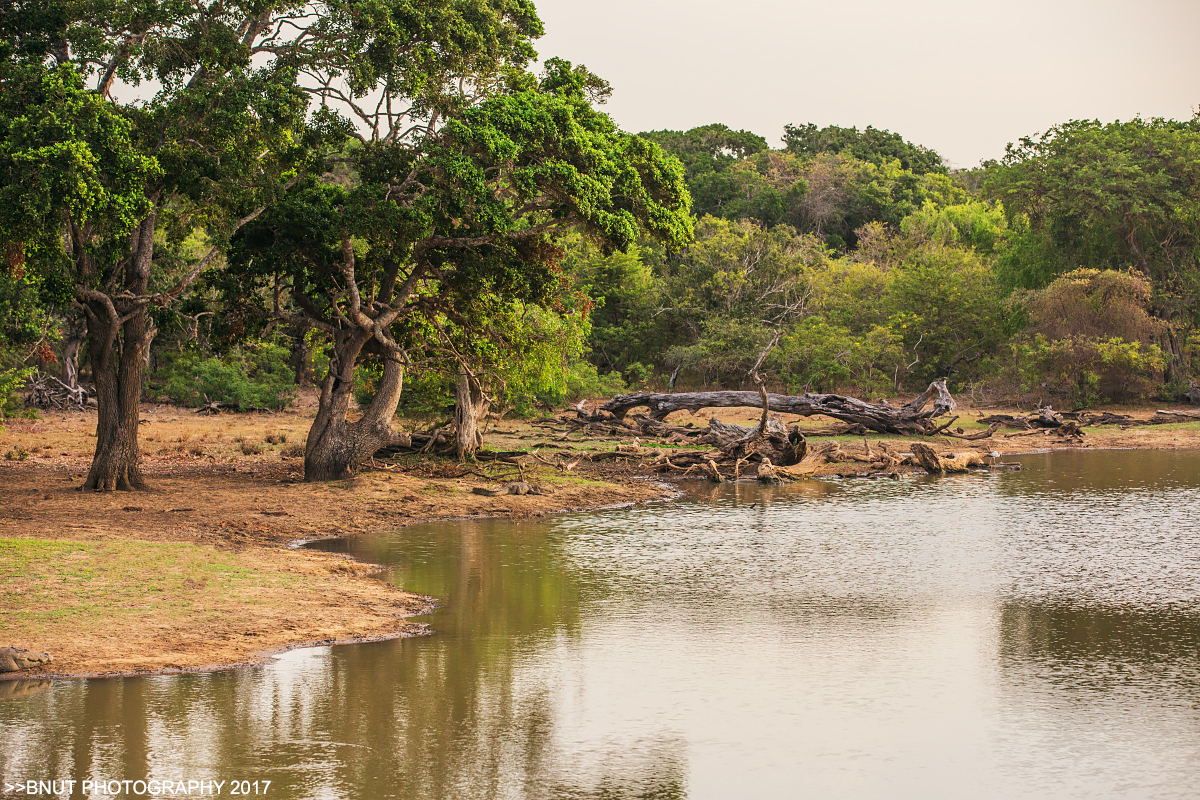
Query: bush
[[1091, 370], [584, 382], [255, 376], [1091, 337]]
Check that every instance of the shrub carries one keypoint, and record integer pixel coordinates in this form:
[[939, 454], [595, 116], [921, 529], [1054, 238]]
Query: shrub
[[1091, 337], [584, 382], [1090, 370], [252, 377], [11, 381]]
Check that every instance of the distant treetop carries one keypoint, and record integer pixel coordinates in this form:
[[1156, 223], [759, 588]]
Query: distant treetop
[[709, 148], [869, 144]]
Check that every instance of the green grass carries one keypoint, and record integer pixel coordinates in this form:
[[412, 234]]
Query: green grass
[[43, 582]]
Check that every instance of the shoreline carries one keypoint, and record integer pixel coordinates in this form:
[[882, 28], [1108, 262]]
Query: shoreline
[[103, 589]]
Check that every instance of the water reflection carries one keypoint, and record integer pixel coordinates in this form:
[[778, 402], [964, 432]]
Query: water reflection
[[991, 635]]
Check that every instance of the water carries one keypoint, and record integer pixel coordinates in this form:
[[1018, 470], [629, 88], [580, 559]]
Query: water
[[1030, 634]]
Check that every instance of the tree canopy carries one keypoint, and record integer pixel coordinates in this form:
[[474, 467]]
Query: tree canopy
[[869, 144]]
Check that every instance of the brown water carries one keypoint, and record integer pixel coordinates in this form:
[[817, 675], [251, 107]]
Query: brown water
[[1029, 634]]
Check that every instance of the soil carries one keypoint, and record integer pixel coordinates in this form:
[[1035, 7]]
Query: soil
[[230, 487]]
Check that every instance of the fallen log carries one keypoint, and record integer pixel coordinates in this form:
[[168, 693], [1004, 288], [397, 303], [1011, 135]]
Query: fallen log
[[812, 461], [909, 419], [516, 487], [936, 464], [844, 429], [1007, 421], [1185, 414]]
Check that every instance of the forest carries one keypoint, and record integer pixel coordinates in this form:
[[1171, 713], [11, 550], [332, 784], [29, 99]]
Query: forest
[[404, 210]]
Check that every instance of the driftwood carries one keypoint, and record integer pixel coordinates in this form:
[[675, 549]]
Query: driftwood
[[710, 470], [1190, 415], [957, 434], [843, 429], [516, 487], [935, 464], [813, 459], [767, 473], [1006, 421], [910, 419], [785, 446]]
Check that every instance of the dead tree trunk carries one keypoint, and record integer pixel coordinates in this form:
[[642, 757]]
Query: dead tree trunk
[[336, 447], [74, 340], [909, 419], [471, 404]]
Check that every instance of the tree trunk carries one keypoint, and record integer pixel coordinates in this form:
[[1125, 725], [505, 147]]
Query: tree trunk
[[75, 338], [911, 418], [470, 406], [118, 347], [936, 464], [336, 447], [118, 378]]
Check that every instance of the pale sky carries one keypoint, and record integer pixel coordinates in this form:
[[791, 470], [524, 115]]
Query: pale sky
[[961, 76]]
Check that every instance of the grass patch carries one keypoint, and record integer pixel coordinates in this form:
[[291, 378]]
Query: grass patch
[[84, 584]]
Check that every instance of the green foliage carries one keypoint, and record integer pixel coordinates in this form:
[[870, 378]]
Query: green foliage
[[1088, 369], [816, 356], [949, 312], [1108, 196], [870, 144], [725, 351], [255, 376], [830, 192], [973, 224], [12, 378], [64, 150], [708, 149]]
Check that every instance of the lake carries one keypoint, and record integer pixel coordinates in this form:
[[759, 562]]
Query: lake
[[1031, 634]]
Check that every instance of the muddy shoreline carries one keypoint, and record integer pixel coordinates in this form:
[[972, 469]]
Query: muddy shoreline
[[227, 502]]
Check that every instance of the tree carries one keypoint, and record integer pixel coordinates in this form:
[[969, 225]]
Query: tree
[[92, 181], [450, 221], [708, 148]]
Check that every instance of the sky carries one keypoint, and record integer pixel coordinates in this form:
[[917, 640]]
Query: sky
[[963, 77]]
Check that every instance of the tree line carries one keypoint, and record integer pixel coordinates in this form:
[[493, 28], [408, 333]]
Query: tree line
[[215, 202], [1066, 271]]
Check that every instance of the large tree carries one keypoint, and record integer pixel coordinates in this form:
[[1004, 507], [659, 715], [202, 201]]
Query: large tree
[[123, 124], [446, 223]]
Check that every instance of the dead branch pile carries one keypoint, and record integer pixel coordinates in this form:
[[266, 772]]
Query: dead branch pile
[[46, 391]]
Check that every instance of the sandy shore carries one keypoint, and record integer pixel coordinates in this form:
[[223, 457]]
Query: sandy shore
[[201, 571]]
